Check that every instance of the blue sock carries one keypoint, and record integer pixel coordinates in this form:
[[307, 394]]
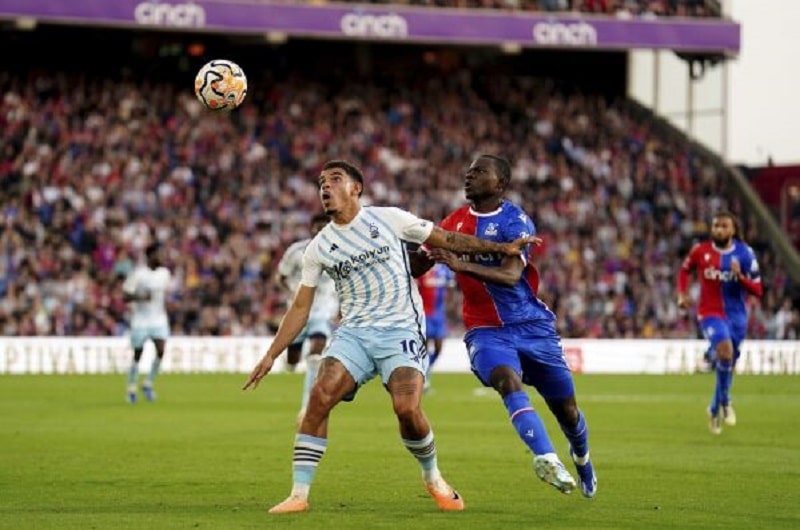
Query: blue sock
[[527, 422], [434, 354], [308, 451], [424, 451], [578, 436], [724, 380]]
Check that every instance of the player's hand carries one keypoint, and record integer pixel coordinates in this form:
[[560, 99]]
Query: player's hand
[[736, 268], [262, 368], [441, 255], [683, 301], [517, 247]]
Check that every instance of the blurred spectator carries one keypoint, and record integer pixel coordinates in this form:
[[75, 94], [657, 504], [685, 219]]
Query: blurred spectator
[[92, 171]]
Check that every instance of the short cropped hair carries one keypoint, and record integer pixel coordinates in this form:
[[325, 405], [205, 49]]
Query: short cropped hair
[[351, 169], [503, 168]]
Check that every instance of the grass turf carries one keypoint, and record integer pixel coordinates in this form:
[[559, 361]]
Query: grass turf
[[207, 455]]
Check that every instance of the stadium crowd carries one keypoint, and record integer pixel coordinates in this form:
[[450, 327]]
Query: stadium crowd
[[94, 170], [619, 8]]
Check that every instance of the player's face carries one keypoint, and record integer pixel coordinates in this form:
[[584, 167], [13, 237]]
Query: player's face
[[153, 260], [337, 190], [481, 180], [722, 230]]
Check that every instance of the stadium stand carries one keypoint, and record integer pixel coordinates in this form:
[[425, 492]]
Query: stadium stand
[[620, 8], [95, 166]]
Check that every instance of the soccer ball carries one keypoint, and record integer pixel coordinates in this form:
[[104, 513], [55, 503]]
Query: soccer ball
[[220, 85]]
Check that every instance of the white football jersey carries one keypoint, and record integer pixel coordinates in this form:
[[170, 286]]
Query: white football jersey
[[152, 312], [368, 260], [326, 302]]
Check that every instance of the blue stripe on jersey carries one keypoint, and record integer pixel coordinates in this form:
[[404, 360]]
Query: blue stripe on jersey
[[346, 302], [382, 295], [398, 246], [360, 276], [419, 313], [733, 294]]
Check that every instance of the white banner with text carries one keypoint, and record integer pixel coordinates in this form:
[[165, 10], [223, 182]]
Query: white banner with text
[[89, 355]]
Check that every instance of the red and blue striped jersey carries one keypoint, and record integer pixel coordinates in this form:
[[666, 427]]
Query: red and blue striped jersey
[[721, 293], [487, 304]]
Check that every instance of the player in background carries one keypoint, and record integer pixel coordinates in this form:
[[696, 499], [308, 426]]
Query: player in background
[[433, 287], [382, 330], [145, 289], [324, 309], [727, 271], [511, 335]]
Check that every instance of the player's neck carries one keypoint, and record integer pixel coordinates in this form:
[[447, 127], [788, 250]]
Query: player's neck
[[722, 248], [487, 205], [347, 214]]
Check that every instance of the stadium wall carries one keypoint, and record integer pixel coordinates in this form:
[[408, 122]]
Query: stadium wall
[[92, 355]]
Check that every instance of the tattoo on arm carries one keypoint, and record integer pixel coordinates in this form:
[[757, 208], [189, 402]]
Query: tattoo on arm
[[464, 243]]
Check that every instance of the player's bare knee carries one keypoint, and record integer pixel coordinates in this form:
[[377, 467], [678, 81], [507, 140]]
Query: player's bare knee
[[406, 407], [725, 351], [505, 380], [322, 399]]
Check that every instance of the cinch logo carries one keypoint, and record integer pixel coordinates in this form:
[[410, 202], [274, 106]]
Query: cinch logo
[[716, 274], [177, 15], [573, 34], [374, 25]]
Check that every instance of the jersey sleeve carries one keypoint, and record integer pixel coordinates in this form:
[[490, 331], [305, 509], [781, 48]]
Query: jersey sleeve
[[517, 226], [408, 226], [751, 275], [750, 264], [312, 267]]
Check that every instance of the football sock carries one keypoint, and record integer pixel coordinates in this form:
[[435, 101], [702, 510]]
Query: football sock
[[308, 451], [527, 422], [425, 452], [312, 366], [154, 368], [434, 354], [724, 379], [578, 436], [133, 374]]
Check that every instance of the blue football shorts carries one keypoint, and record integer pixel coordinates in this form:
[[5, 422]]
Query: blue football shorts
[[368, 352], [532, 349], [718, 329], [140, 334]]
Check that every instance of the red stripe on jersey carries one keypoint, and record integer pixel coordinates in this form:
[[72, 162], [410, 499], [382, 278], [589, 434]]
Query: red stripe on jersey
[[477, 306]]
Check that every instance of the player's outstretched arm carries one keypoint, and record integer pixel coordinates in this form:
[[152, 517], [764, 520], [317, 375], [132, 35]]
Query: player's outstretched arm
[[466, 244], [291, 325], [508, 273]]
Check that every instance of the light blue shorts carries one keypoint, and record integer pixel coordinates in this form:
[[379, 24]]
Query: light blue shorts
[[367, 352], [315, 327], [140, 334]]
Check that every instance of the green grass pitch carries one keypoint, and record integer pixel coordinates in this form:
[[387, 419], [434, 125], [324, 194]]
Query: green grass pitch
[[207, 455]]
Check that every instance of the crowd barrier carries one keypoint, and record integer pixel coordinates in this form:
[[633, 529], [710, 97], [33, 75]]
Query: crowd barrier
[[92, 355]]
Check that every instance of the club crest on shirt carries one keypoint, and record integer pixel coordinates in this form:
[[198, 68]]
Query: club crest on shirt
[[373, 231], [458, 226], [707, 256], [491, 230]]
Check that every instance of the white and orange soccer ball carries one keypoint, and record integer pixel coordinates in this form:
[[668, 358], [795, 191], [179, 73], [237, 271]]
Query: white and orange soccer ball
[[220, 85]]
